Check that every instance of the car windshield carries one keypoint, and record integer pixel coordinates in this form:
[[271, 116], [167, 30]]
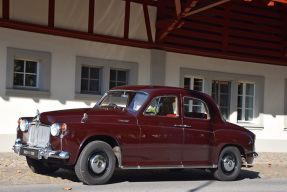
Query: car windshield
[[130, 100]]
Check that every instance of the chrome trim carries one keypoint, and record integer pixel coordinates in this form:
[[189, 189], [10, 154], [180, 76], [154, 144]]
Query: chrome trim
[[171, 167], [254, 154], [39, 153], [17, 146]]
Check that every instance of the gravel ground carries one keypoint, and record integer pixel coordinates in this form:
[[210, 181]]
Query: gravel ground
[[14, 171]]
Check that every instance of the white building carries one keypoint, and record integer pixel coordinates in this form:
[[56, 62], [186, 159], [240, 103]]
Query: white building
[[63, 66]]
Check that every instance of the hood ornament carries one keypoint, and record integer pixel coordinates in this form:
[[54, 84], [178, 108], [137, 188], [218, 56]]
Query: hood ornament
[[38, 115], [85, 117]]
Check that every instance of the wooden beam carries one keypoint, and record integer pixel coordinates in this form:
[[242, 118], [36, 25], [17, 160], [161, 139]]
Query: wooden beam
[[176, 23], [148, 2], [147, 22], [177, 6], [127, 19], [51, 13], [91, 16], [134, 43], [206, 7], [5, 9]]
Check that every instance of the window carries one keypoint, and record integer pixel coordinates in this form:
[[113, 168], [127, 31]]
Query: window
[[28, 73], [118, 78], [193, 83], [221, 95], [163, 106], [245, 103], [223, 87], [95, 76], [194, 108], [25, 73], [90, 80], [128, 99]]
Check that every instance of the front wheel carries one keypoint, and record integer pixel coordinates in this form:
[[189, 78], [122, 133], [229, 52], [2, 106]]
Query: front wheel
[[38, 167], [229, 164], [96, 163]]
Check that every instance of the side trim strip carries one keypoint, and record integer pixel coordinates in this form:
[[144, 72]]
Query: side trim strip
[[171, 167]]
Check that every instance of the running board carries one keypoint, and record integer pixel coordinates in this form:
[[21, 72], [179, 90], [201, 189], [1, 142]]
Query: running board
[[171, 167]]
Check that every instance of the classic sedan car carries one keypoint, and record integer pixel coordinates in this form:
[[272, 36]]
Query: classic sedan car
[[136, 127]]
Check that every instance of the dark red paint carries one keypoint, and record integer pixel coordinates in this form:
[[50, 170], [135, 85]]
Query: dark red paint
[[150, 140]]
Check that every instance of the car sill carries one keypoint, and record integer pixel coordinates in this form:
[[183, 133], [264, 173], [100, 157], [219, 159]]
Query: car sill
[[171, 167]]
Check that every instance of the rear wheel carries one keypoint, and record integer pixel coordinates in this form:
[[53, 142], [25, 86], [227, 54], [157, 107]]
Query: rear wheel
[[229, 164], [96, 163], [38, 167]]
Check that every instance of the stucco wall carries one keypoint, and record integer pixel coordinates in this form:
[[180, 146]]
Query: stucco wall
[[63, 52], [274, 84]]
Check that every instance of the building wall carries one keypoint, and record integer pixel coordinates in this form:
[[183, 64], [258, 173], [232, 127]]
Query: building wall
[[63, 63], [271, 135]]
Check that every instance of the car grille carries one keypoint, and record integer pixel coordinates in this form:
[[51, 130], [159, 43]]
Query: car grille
[[38, 135]]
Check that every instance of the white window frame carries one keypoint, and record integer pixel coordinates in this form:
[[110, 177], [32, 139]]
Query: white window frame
[[234, 78], [116, 81], [243, 108], [43, 73], [192, 82], [100, 79], [24, 74]]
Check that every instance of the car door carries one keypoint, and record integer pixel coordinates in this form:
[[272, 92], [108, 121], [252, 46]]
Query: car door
[[198, 132], [161, 132]]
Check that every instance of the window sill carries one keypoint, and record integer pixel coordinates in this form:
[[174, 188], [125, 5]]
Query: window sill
[[87, 97], [27, 93], [251, 126]]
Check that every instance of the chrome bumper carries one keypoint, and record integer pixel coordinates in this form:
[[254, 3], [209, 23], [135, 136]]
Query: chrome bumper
[[38, 153]]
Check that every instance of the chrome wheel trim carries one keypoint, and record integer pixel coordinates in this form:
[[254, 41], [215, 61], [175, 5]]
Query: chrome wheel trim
[[228, 163], [98, 163]]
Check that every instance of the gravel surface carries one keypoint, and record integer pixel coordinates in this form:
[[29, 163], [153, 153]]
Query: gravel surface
[[14, 171]]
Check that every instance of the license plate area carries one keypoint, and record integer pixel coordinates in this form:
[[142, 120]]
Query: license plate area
[[33, 153]]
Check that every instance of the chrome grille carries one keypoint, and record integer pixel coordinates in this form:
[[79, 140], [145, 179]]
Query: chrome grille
[[38, 135]]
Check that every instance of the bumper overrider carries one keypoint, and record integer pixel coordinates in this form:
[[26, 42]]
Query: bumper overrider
[[38, 153]]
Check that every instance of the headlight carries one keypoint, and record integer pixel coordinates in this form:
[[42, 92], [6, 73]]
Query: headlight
[[55, 129], [24, 125]]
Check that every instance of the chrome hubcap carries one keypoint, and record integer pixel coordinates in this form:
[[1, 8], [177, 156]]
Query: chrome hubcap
[[98, 163], [228, 162]]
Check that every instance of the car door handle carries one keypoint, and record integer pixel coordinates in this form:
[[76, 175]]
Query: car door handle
[[178, 125], [186, 126]]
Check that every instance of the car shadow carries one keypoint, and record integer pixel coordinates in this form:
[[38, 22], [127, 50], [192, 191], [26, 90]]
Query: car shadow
[[156, 175]]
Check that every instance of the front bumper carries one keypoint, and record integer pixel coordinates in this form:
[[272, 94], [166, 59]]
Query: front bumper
[[38, 153]]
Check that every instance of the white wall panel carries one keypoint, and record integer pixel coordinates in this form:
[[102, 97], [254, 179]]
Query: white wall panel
[[109, 17], [274, 84], [31, 11], [72, 14], [63, 52]]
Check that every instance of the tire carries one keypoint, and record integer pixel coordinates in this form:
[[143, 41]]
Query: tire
[[229, 164], [38, 167], [96, 163]]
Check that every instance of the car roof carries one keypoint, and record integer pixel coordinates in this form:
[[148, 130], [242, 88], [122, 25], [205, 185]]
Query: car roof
[[154, 89]]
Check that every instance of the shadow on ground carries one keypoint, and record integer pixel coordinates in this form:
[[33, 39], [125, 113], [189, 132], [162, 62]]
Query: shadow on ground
[[156, 175]]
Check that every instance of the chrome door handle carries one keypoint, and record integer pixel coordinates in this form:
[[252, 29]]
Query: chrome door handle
[[178, 125], [186, 126]]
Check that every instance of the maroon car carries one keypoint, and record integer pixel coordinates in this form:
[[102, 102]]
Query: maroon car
[[136, 127]]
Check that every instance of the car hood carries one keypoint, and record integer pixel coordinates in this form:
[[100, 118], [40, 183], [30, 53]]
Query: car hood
[[95, 115]]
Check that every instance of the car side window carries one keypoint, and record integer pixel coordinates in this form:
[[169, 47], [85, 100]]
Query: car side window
[[195, 108], [163, 106]]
